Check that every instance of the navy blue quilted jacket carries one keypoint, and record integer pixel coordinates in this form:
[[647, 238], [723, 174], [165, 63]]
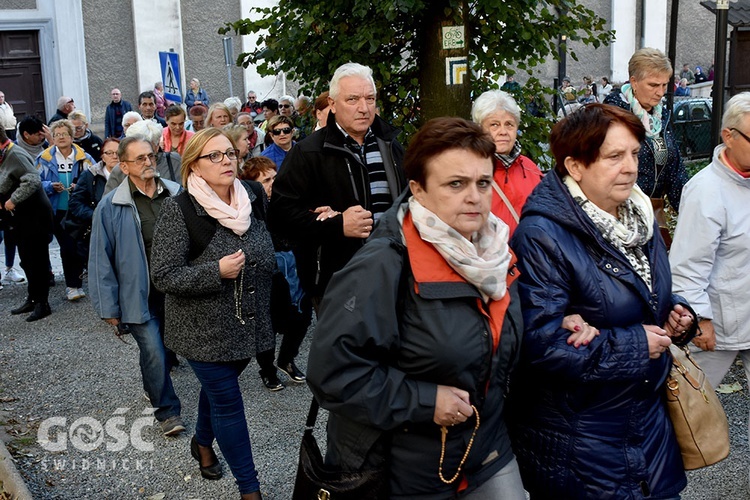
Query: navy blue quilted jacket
[[589, 422]]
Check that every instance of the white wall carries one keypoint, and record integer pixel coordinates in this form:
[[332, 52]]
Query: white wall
[[158, 27], [264, 86]]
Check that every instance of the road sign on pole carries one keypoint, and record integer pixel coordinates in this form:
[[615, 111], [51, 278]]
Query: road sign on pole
[[170, 75]]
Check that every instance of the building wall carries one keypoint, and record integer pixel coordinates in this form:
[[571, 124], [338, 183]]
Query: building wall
[[204, 52], [110, 54]]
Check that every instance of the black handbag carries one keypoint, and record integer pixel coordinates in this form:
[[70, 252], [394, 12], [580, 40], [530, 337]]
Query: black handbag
[[317, 481]]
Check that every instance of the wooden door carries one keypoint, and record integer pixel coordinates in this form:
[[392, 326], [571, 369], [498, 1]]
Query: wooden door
[[21, 73]]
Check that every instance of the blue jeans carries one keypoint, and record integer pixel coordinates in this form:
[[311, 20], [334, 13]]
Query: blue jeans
[[154, 368], [221, 415]]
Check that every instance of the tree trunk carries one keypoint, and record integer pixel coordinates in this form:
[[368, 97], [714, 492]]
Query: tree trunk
[[444, 81]]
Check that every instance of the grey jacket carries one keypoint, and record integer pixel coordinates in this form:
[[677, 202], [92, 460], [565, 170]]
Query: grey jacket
[[118, 269], [709, 260], [201, 308]]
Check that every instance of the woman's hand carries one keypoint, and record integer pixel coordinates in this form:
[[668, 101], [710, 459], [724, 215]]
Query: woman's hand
[[231, 265], [325, 212], [583, 333], [658, 341], [680, 320], [452, 406]]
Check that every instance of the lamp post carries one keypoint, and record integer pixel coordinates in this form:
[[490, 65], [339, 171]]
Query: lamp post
[[720, 57], [229, 60]]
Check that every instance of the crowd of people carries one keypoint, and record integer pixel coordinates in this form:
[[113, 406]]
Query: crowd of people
[[483, 329]]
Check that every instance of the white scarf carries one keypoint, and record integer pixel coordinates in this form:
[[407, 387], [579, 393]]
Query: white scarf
[[483, 261], [235, 216], [651, 121]]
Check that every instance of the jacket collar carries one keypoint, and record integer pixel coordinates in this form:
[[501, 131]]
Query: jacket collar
[[123, 196], [50, 153], [334, 138]]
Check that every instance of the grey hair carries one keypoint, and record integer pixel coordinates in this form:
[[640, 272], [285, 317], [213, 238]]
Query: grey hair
[[493, 101], [287, 98], [147, 130], [349, 69], [738, 107], [62, 101], [233, 102], [131, 114]]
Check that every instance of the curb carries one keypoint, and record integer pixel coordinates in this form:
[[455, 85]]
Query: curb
[[11, 480]]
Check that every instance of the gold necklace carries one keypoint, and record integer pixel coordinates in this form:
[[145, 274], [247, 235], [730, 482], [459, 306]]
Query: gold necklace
[[444, 434]]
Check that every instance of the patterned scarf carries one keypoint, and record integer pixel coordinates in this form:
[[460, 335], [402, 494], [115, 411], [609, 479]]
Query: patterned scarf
[[507, 160], [652, 120], [628, 232], [483, 261]]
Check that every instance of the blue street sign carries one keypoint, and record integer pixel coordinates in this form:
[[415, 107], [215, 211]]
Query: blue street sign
[[170, 75]]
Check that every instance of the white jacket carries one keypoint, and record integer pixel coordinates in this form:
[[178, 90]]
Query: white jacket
[[710, 255]]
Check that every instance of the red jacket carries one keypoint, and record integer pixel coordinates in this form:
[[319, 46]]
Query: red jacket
[[517, 182]]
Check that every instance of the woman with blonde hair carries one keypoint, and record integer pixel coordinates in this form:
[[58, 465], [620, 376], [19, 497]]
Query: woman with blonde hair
[[213, 258], [218, 116]]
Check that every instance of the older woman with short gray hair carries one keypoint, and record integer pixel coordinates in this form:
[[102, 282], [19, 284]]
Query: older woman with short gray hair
[[515, 175]]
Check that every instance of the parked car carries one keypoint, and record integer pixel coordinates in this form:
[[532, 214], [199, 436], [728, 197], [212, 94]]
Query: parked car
[[692, 126]]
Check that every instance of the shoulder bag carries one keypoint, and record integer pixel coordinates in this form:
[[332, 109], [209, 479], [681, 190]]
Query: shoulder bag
[[699, 421], [317, 481]]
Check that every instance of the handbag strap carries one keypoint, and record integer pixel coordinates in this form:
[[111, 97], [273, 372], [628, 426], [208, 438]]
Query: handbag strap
[[500, 193], [312, 415]]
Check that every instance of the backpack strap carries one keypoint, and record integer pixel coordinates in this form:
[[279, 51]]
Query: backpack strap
[[171, 168]]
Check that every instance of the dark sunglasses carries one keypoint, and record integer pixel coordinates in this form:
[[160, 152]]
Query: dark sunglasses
[[285, 106], [279, 131]]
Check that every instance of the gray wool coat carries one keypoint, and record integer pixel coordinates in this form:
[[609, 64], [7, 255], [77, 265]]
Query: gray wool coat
[[201, 307]]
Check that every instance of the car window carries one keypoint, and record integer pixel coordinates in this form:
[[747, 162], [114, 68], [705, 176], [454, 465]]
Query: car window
[[700, 111], [681, 113]]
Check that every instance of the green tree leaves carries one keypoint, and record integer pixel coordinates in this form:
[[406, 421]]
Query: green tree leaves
[[308, 40]]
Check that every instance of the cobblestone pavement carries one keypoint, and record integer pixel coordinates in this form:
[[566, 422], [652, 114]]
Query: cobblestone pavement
[[70, 366]]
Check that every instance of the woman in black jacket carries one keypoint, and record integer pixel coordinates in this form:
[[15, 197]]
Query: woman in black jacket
[[87, 194], [419, 333]]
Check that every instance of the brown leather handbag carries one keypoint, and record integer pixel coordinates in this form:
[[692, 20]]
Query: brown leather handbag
[[661, 218], [699, 421]]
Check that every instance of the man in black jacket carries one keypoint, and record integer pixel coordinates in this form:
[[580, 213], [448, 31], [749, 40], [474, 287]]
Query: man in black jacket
[[353, 166]]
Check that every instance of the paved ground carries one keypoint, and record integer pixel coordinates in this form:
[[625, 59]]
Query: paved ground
[[70, 366]]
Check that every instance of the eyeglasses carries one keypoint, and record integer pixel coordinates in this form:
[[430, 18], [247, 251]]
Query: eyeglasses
[[218, 156], [279, 131], [109, 153], [743, 135], [285, 106], [81, 128], [141, 160], [61, 136]]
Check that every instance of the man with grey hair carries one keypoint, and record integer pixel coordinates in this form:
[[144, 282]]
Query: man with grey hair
[[119, 281], [65, 106], [709, 255], [353, 166], [168, 164]]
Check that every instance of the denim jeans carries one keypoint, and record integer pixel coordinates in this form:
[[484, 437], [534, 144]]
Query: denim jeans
[[221, 415], [154, 368]]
